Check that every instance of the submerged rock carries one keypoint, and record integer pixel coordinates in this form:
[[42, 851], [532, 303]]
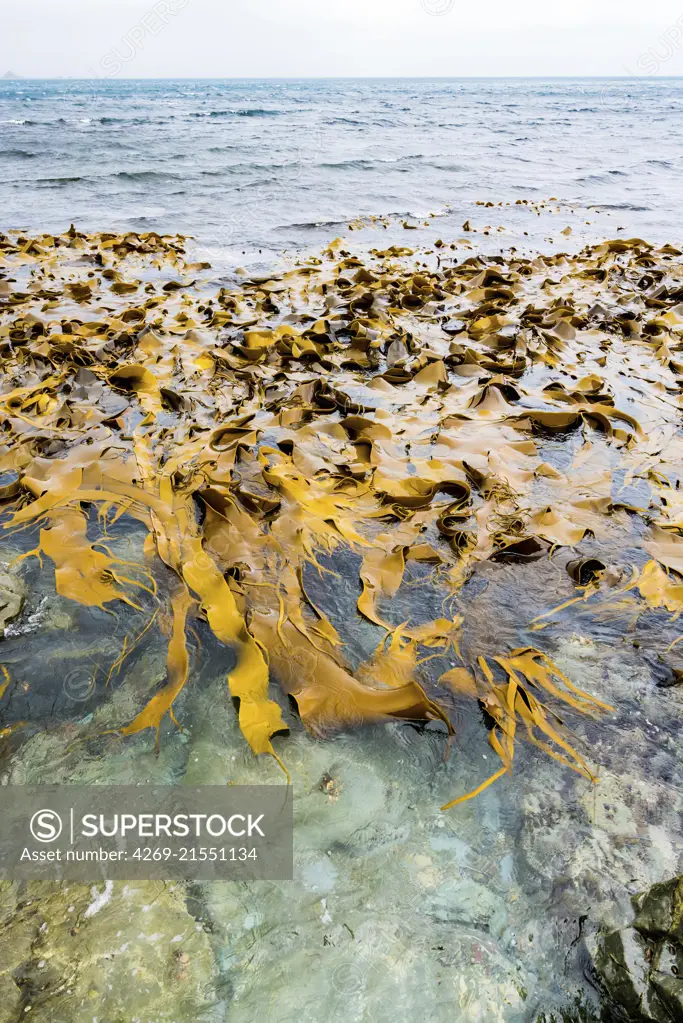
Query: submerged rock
[[72, 952], [640, 968], [12, 595], [469, 903]]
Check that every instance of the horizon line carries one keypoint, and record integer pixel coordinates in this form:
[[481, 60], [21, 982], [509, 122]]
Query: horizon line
[[333, 78]]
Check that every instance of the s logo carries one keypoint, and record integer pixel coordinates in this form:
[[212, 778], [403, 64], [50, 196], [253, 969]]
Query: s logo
[[46, 826]]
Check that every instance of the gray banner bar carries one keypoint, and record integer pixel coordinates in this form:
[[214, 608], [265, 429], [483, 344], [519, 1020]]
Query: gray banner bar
[[137, 833]]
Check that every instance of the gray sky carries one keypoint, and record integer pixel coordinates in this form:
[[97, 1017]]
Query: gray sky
[[298, 38]]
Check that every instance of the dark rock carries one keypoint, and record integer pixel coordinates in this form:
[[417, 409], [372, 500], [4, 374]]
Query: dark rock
[[640, 968], [660, 911], [623, 970]]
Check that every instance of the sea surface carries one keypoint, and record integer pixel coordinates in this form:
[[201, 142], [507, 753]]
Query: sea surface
[[262, 166]]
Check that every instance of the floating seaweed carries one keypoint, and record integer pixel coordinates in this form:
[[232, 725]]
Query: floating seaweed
[[413, 409]]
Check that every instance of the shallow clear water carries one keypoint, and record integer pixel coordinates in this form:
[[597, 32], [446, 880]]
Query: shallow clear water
[[397, 909]]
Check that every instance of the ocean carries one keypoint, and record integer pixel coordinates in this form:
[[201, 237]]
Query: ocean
[[254, 168]]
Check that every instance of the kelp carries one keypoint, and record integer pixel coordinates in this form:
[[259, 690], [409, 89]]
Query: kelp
[[401, 406], [528, 673]]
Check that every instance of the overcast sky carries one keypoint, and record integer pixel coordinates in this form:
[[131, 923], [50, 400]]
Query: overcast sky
[[297, 38]]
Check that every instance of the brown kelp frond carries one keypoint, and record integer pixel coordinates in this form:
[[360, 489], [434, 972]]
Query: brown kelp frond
[[530, 675], [541, 673], [177, 666], [82, 573], [129, 646], [411, 420]]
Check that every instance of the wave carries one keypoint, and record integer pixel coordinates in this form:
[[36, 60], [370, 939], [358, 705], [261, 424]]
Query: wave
[[135, 121], [315, 224], [344, 222], [144, 175], [343, 120], [59, 181], [249, 112], [147, 175], [632, 207], [257, 112], [453, 167], [18, 154], [369, 163], [593, 179]]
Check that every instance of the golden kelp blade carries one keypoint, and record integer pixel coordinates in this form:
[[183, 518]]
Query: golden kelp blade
[[6, 679], [260, 718], [327, 695], [660, 588], [177, 665], [527, 670], [383, 417], [81, 573]]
